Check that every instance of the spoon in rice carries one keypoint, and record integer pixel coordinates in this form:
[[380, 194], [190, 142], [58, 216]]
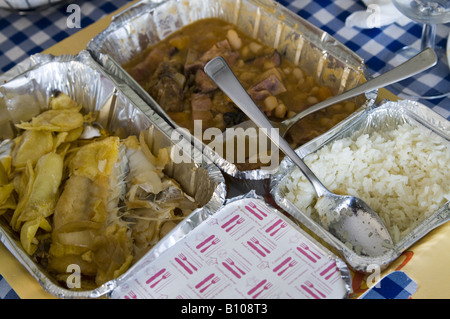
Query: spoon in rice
[[421, 62], [348, 218]]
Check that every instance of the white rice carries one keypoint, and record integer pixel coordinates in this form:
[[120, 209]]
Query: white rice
[[402, 174]]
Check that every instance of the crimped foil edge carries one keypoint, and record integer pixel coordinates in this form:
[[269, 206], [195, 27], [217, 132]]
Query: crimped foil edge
[[340, 264], [215, 175], [367, 120], [319, 40]]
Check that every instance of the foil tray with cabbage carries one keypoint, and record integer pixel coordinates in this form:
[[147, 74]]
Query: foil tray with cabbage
[[97, 203]]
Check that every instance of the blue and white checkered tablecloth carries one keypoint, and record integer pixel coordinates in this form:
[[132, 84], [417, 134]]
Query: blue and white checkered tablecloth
[[6, 292], [396, 285], [24, 35], [374, 45]]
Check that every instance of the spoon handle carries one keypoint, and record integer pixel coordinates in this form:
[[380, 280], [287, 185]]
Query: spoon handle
[[219, 71], [421, 62]]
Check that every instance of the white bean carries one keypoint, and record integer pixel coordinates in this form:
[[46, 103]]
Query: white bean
[[270, 103], [314, 90], [234, 39], [280, 111], [298, 73], [255, 47], [312, 100]]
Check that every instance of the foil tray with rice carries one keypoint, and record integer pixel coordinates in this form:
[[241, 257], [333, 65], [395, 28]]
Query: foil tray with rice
[[395, 157]]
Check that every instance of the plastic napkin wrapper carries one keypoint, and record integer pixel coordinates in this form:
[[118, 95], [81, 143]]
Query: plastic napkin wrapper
[[247, 250]]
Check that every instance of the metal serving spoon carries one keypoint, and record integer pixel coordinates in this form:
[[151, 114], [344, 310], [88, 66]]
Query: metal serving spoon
[[351, 220], [422, 61]]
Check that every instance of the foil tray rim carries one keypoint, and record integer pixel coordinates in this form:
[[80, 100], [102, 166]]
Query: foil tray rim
[[218, 197]]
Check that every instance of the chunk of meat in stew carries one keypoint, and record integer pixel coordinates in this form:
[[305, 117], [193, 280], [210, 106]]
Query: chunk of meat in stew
[[167, 84]]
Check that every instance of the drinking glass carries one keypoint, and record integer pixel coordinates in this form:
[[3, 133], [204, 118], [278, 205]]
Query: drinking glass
[[437, 78]]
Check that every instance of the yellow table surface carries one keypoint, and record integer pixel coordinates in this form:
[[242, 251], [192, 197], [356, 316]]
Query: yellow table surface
[[427, 262]]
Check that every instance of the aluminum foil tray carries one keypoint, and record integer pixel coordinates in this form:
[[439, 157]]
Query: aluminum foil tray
[[150, 21], [386, 116], [25, 89]]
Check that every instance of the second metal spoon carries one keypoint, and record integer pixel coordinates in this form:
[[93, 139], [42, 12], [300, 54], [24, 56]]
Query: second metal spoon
[[419, 63], [350, 219]]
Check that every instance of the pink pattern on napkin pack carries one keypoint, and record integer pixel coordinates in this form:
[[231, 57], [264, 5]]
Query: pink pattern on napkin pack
[[246, 250]]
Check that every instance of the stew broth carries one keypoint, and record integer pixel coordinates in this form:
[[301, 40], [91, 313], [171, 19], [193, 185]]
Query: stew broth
[[171, 71]]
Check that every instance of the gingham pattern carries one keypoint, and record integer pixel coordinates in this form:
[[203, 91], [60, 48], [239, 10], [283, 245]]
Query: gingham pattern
[[396, 285], [21, 36], [24, 35], [376, 45], [6, 292]]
